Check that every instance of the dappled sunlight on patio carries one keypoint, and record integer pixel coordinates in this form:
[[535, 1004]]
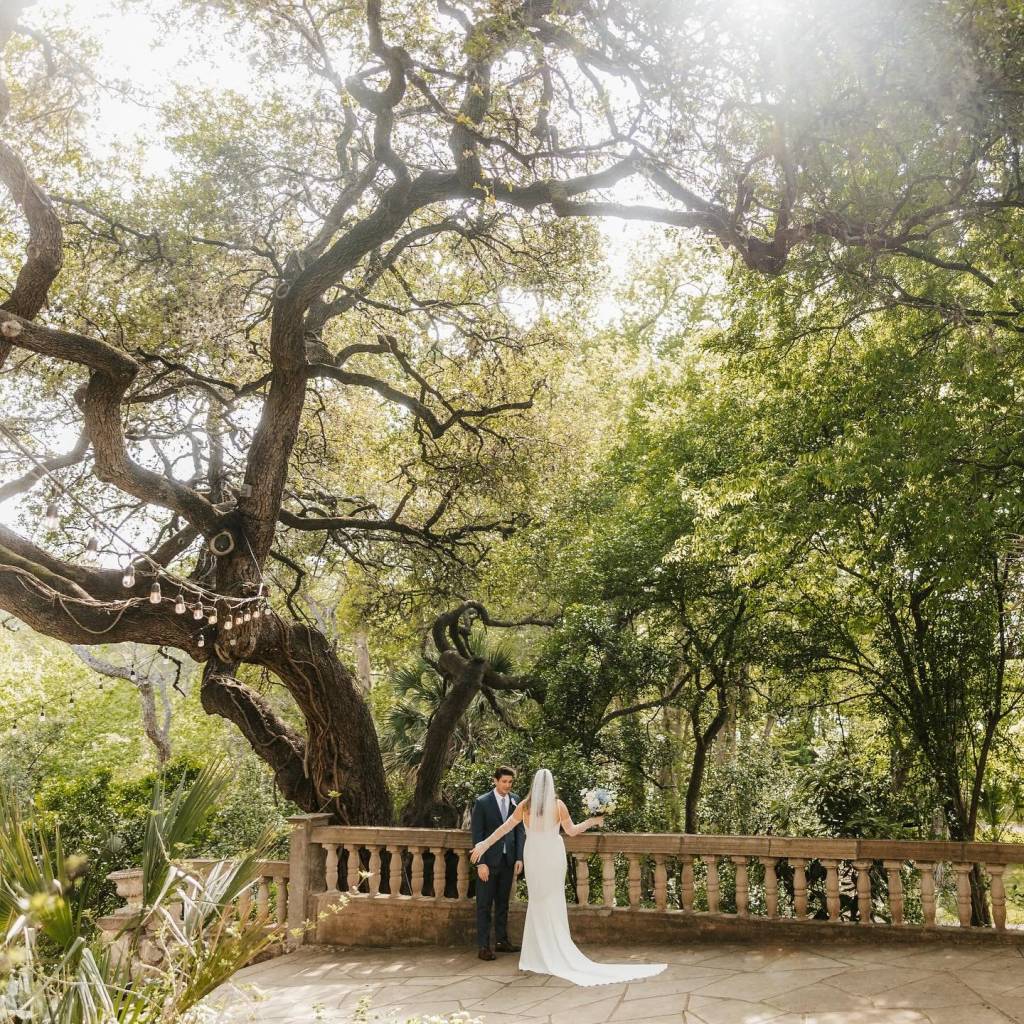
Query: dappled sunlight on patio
[[705, 983]]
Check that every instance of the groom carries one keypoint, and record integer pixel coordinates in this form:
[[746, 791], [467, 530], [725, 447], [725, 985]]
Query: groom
[[500, 865]]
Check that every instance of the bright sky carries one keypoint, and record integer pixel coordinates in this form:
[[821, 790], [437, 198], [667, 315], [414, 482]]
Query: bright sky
[[136, 49], [141, 61]]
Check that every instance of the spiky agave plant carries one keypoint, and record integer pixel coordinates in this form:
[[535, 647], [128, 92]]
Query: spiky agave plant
[[52, 969]]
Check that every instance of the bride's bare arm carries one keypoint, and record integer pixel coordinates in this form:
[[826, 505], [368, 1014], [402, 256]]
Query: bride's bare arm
[[572, 829], [485, 844]]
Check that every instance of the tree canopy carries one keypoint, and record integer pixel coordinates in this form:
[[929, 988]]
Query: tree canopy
[[343, 363]]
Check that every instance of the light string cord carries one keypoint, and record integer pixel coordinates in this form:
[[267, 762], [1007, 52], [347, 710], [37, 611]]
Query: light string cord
[[204, 594]]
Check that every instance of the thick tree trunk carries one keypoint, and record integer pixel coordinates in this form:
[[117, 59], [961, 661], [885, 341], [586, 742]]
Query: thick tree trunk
[[342, 761], [422, 810], [273, 740]]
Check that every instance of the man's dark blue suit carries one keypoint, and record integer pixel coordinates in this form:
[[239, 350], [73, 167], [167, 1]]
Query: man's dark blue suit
[[501, 860]]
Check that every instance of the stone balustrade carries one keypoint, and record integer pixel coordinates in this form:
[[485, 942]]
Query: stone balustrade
[[266, 900], [411, 886], [420, 884]]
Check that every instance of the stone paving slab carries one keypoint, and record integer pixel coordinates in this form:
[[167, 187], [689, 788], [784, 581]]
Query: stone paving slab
[[704, 984]]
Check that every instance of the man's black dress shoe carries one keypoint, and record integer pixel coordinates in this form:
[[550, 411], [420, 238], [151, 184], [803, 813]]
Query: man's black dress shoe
[[486, 954], [505, 947]]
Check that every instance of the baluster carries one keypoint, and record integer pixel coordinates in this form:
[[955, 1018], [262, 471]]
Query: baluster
[[995, 872], [687, 883], [282, 898], [863, 890], [332, 867], [608, 878], [357, 879], [245, 904], [263, 899], [799, 888], [582, 878], [711, 860], [927, 892], [771, 886], [742, 885], [894, 873], [416, 871], [394, 869], [963, 893], [375, 865], [438, 876], [462, 878], [831, 887], [660, 882], [634, 880]]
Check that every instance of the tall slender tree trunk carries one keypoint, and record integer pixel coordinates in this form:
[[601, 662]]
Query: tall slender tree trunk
[[702, 741]]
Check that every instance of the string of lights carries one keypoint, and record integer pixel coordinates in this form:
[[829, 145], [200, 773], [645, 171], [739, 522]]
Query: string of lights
[[239, 610]]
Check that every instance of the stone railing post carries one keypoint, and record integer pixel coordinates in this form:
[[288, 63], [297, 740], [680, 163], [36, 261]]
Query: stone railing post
[[711, 882], [582, 879], [771, 886], [742, 885], [963, 893], [686, 883], [307, 871], [927, 871], [995, 872], [799, 888], [863, 869], [831, 866], [893, 870], [660, 882]]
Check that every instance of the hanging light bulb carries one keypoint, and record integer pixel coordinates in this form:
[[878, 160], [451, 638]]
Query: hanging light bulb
[[92, 548], [52, 520], [154, 593], [128, 579], [71, 701], [179, 604], [212, 617], [197, 612], [232, 641], [248, 615], [200, 642], [132, 676], [14, 729], [228, 622], [42, 715]]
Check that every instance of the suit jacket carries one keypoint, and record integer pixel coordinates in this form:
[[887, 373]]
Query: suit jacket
[[486, 818]]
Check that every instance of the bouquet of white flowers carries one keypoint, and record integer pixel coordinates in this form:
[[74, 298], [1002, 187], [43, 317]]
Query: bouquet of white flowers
[[598, 800]]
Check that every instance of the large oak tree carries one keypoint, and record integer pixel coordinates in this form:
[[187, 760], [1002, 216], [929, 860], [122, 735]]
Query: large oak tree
[[351, 224]]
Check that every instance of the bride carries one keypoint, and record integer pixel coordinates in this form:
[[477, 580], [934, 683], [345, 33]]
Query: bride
[[547, 945]]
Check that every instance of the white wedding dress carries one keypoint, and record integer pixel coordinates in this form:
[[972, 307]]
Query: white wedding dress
[[547, 945]]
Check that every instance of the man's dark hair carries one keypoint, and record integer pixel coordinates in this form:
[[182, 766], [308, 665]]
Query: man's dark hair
[[500, 773]]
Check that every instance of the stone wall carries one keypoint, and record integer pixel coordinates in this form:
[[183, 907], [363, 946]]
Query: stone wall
[[381, 921]]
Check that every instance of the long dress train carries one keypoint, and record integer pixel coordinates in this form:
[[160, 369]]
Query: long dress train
[[547, 945]]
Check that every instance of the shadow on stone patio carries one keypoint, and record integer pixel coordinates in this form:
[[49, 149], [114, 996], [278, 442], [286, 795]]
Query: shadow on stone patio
[[705, 984]]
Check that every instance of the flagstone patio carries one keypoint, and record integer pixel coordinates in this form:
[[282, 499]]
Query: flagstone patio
[[704, 984]]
